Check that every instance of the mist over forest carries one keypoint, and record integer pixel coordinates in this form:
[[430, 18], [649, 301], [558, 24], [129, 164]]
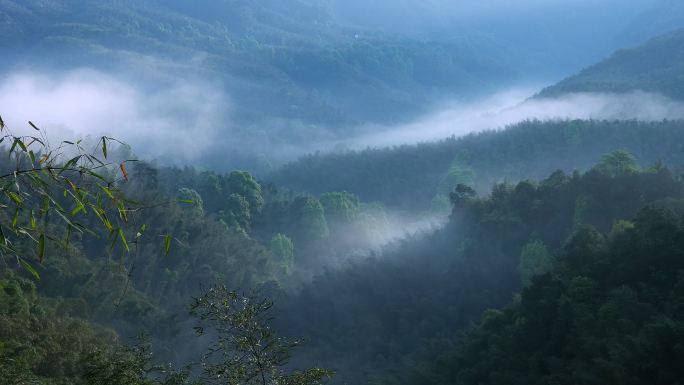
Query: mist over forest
[[305, 192]]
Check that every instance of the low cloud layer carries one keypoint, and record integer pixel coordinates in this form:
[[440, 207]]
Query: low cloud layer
[[511, 107], [182, 119], [186, 122]]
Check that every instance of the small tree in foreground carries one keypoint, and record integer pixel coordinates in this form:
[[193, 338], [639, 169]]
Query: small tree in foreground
[[247, 351]]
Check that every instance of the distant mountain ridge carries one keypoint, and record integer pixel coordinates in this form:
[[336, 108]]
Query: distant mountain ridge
[[287, 55], [656, 66]]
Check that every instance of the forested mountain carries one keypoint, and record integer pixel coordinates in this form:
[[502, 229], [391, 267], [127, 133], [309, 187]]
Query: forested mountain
[[401, 310], [608, 311], [656, 66], [572, 33], [290, 56], [420, 177]]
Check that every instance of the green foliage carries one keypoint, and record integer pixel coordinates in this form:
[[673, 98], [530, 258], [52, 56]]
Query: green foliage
[[462, 196], [403, 309], [608, 313], [283, 249], [243, 184], [238, 214], [311, 222], [459, 173], [247, 351], [617, 162], [123, 365], [38, 345], [409, 177], [192, 198], [341, 208], [535, 260]]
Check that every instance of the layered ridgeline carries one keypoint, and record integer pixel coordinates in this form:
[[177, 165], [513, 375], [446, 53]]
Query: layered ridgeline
[[389, 318], [420, 177], [277, 59], [656, 66]]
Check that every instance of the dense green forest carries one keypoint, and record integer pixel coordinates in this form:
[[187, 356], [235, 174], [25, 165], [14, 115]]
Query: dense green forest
[[412, 302], [380, 317], [421, 176], [655, 66], [608, 310]]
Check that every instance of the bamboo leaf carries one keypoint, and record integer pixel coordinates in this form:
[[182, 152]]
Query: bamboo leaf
[[46, 206], [70, 163], [80, 207], [34, 126], [104, 146], [15, 218], [113, 238], [167, 245], [106, 191], [16, 198], [141, 231], [17, 141], [122, 212], [68, 235], [41, 247], [66, 220], [29, 268], [102, 216], [123, 240], [21, 144]]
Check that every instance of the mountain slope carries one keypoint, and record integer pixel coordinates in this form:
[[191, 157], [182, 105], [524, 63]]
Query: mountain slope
[[609, 312], [289, 56], [412, 303], [657, 66], [411, 177]]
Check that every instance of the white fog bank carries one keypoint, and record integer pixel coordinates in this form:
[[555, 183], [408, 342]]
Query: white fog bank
[[512, 107], [184, 121], [180, 119]]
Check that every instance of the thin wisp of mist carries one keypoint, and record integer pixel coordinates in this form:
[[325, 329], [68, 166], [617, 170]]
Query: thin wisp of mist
[[510, 107]]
